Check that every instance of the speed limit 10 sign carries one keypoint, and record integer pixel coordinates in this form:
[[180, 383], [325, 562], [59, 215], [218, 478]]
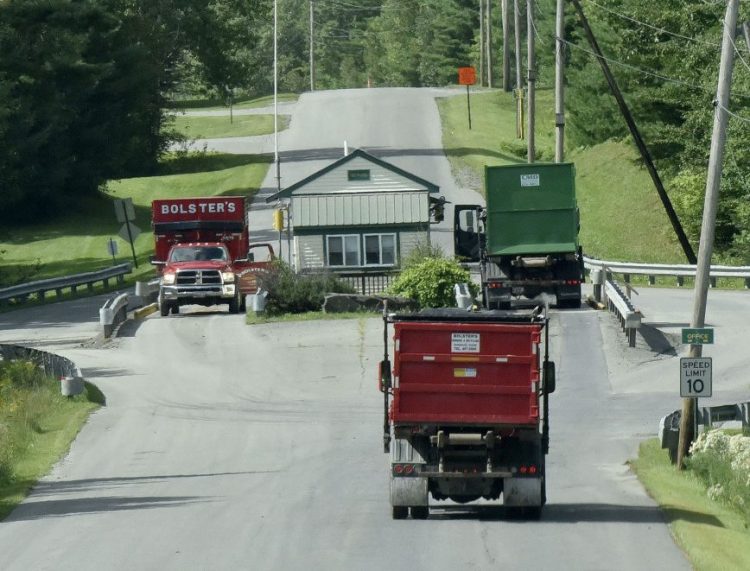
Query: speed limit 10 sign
[[695, 377]]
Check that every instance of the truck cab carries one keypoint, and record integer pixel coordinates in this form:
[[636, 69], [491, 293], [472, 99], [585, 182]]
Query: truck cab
[[198, 273]]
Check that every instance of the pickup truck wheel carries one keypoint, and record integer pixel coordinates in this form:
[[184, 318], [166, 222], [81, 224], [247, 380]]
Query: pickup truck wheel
[[175, 309], [163, 308], [420, 512], [234, 304], [400, 512]]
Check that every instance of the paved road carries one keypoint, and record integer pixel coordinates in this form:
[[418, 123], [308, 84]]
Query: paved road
[[229, 447], [400, 125], [224, 446]]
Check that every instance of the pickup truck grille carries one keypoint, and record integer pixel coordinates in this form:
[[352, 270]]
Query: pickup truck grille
[[198, 277]]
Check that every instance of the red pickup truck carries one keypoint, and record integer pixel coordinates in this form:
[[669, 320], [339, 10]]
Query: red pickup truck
[[203, 254], [466, 408]]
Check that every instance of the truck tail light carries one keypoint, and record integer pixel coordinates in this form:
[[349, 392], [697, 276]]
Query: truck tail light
[[532, 469], [408, 469], [523, 469], [572, 282], [398, 468]]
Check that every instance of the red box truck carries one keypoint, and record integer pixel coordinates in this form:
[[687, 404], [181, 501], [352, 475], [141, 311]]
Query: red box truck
[[203, 254]]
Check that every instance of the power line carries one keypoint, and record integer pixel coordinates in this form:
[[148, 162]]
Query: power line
[[647, 25], [736, 50], [640, 70], [728, 112]]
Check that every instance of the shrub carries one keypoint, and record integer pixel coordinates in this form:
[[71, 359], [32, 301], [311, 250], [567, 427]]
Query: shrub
[[431, 282], [421, 252], [722, 462], [289, 292]]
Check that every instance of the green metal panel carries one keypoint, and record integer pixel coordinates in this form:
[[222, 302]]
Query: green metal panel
[[531, 209]]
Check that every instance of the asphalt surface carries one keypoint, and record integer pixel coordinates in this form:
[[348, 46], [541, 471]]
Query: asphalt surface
[[224, 446]]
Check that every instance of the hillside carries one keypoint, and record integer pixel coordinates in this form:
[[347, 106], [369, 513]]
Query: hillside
[[622, 217]]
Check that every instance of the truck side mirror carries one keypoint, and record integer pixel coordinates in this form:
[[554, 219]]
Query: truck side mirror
[[384, 375], [549, 377]]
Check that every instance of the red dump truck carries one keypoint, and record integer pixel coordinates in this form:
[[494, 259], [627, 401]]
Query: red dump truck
[[466, 408], [203, 254]]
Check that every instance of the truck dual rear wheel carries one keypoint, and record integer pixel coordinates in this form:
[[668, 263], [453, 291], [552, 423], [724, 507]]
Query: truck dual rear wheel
[[420, 512], [163, 308], [400, 512]]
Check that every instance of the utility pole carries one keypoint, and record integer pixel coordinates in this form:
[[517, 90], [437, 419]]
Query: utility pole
[[642, 149], [517, 37], [559, 82], [504, 16], [488, 40], [276, 98], [519, 82], [708, 225], [531, 81], [481, 42], [312, 48]]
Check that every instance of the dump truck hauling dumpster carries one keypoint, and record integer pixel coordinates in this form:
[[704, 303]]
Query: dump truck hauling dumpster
[[526, 238], [466, 411]]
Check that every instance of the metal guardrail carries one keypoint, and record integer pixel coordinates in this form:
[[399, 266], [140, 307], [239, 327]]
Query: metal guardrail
[[39, 288], [71, 379], [112, 313], [669, 426], [678, 271], [619, 304], [609, 291]]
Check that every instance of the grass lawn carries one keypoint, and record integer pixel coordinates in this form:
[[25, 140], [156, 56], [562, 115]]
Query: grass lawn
[[621, 215], [212, 127], [714, 537], [78, 242]]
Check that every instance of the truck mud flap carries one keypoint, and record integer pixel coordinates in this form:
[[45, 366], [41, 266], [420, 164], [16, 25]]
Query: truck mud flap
[[522, 492], [407, 490]]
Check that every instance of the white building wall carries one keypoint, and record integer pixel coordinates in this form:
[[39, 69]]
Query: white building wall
[[410, 240]]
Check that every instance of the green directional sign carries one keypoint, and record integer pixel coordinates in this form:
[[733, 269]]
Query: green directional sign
[[698, 336]]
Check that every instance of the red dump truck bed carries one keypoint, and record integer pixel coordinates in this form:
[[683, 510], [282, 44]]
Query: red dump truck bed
[[469, 373]]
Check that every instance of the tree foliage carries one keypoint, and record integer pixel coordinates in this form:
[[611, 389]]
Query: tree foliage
[[665, 57]]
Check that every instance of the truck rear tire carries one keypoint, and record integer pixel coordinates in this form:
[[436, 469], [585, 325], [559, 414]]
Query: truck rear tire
[[420, 512], [399, 512], [234, 304], [163, 308], [175, 308]]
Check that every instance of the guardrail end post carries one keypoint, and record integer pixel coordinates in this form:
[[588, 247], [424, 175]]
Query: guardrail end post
[[651, 280], [631, 337], [712, 281], [680, 281]]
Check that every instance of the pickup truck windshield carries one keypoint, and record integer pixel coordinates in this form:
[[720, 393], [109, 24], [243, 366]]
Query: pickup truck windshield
[[197, 253]]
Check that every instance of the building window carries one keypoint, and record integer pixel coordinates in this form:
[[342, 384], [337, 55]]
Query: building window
[[380, 249], [360, 174], [343, 250]]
